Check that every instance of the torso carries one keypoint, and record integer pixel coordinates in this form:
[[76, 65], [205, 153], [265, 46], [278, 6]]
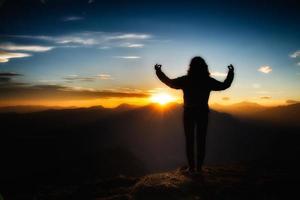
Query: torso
[[196, 93]]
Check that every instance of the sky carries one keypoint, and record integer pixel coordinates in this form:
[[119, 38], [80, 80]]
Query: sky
[[92, 52]]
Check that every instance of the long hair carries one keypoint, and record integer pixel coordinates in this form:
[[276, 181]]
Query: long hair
[[198, 68]]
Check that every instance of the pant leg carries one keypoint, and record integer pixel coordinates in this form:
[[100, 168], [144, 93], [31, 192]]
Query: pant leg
[[189, 130], [201, 132]]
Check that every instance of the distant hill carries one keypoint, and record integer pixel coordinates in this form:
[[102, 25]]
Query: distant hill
[[125, 107], [241, 109], [30, 108], [288, 115], [37, 108]]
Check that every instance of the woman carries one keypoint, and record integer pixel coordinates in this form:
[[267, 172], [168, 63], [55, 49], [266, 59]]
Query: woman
[[196, 86]]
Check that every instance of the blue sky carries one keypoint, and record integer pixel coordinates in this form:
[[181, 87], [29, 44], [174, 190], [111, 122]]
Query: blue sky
[[89, 45]]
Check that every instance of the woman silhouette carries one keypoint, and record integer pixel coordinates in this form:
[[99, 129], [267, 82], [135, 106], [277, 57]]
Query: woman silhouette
[[196, 86]]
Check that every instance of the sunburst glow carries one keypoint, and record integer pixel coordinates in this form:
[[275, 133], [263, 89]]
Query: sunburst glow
[[162, 98]]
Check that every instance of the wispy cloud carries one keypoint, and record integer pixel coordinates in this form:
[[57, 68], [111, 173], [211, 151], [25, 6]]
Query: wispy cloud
[[72, 18], [94, 39], [265, 97], [128, 57], [6, 77], [225, 98], [60, 92], [265, 69], [72, 78], [291, 101], [129, 45], [10, 74], [75, 40], [33, 48], [218, 74], [48, 81], [136, 45], [6, 56], [104, 76], [104, 47], [296, 54], [128, 36], [127, 90]]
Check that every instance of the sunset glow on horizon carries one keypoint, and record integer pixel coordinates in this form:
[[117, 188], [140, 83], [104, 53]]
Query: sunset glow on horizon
[[162, 98]]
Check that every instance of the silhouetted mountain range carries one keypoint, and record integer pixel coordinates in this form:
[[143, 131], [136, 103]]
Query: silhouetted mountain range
[[244, 108], [287, 114], [79, 144]]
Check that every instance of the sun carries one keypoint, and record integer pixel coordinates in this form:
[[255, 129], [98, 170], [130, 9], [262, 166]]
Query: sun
[[162, 98]]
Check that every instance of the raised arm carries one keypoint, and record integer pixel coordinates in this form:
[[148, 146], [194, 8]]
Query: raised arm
[[176, 83], [217, 85]]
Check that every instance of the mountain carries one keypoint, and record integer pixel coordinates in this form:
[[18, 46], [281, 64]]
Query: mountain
[[125, 107], [288, 115], [83, 144], [240, 109], [28, 108]]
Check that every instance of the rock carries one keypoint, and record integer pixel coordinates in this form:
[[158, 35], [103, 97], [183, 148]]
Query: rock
[[169, 185]]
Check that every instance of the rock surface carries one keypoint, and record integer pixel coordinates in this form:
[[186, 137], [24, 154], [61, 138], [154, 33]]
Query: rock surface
[[216, 182]]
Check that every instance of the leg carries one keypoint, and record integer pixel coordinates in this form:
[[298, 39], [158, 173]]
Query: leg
[[201, 139], [189, 127]]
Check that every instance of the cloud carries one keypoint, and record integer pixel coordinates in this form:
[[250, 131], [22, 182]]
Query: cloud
[[75, 40], [291, 101], [49, 81], [129, 36], [33, 48], [130, 45], [296, 54], [126, 90], [104, 47], [265, 97], [72, 78], [72, 18], [6, 56], [60, 92], [136, 45], [218, 74], [265, 69], [298, 63], [104, 76], [94, 38], [6, 77], [128, 57], [225, 98], [9, 74]]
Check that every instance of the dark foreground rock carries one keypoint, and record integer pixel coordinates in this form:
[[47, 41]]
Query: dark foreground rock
[[216, 182]]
